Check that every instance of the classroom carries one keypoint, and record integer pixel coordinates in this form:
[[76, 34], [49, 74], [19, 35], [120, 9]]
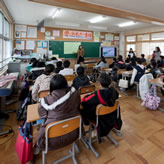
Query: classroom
[[81, 82]]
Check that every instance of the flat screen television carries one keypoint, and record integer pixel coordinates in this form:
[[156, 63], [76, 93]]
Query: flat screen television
[[109, 52]]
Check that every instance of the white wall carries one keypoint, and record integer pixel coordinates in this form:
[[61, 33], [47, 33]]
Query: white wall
[[122, 44]]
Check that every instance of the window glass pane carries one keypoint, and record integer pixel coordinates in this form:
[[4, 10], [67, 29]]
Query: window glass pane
[[131, 38], [5, 27], [1, 23], [143, 37], [7, 49], [143, 48], [1, 53], [158, 36]]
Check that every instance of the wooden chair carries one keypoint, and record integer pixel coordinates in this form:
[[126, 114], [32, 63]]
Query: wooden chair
[[104, 69], [69, 77], [87, 89], [101, 110], [60, 128], [90, 69], [44, 93]]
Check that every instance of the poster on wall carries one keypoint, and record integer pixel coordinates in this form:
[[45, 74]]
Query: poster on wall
[[32, 32], [39, 44], [23, 34], [56, 33], [22, 28], [77, 34], [30, 45], [45, 44], [109, 37], [17, 34], [19, 45]]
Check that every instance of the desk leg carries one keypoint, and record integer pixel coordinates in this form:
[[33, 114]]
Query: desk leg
[[3, 103]]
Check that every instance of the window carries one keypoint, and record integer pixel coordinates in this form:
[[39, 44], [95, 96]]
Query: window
[[158, 36], [131, 38], [145, 37], [5, 42]]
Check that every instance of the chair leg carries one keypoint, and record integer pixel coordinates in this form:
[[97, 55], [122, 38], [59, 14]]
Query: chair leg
[[112, 139], [117, 132], [77, 148], [43, 157], [90, 142], [73, 153]]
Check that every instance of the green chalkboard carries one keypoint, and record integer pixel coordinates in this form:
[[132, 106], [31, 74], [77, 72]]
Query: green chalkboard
[[92, 49]]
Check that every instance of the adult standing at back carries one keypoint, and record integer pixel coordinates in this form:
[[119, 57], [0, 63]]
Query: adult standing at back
[[157, 54], [131, 53], [80, 54]]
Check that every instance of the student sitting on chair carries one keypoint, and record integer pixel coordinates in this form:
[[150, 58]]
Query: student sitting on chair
[[161, 62], [66, 70], [113, 64], [107, 96], [59, 67], [128, 59], [120, 64], [62, 103], [32, 64], [102, 63], [131, 65], [138, 72], [42, 83], [153, 69], [143, 58], [81, 79]]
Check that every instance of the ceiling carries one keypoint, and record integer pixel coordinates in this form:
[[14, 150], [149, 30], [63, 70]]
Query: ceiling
[[152, 8], [26, 12]]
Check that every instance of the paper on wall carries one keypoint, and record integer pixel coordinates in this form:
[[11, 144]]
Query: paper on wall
[[56, 33], [96, 34], [22, 28], [45, 44], [39, 44], [109, 37], [19, 45], [42, 29], [30, 44], [23, 35], [32, 32], [96, 39]]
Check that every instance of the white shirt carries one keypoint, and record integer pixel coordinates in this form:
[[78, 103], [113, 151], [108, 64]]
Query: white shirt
[[135, 73], [101, 65], [66, 71]]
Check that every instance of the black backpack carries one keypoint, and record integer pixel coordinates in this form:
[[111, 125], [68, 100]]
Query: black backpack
[[22, 112]]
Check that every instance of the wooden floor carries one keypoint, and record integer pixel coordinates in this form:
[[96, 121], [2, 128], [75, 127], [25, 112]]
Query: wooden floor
[[142, 141]]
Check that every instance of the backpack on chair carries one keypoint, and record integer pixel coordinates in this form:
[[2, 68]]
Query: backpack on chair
[[151, 100]]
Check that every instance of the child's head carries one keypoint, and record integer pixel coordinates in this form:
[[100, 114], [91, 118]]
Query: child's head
[[139, 61], [120, 58], [58, 82], [114, 59], [59, 64], [153, 64], [80, 71], [129, 56], [104, 79], [142, 55], [66, 64], [53, 58], [49, 69], [33, 60], [41, 64], [103, 59]]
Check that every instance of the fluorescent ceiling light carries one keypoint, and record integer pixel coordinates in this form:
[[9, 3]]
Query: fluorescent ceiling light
[[56, 13], [97, 19], [157, 23], [67, 24], [127, 24], [98, 27]]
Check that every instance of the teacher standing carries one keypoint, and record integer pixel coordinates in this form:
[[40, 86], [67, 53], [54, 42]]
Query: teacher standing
[[80, 54]]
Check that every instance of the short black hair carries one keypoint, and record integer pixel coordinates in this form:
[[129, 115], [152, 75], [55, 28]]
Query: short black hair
[[139, 61], [80, 70], [66, 64], [35, 63], [58, 82], [154, 64], [53, 58], [49, 68], [105, 80], [41, 64], [142, 55], [33, 60], [59, 64]]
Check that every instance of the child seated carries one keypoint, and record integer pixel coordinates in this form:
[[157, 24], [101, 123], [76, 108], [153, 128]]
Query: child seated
[[58, 67], [143, 58], [81, 79], [138, 72], [102, 63], [66, 70], [42, 83], [107, 96], [113, 64], [62, 103]]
